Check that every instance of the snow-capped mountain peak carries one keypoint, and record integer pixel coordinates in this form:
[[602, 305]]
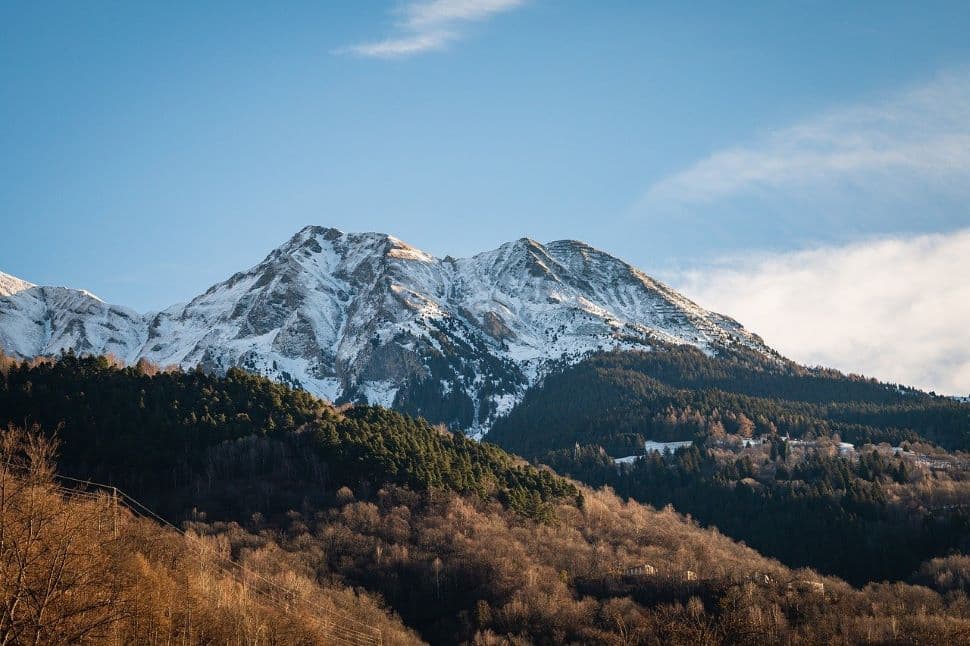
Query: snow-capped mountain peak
[[36, 320], [11, 284], [368, 316]]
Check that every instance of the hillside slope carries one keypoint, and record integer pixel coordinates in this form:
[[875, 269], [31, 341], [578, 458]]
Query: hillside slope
[[101, 571], [620, 399], [813, 467], [466, 544]]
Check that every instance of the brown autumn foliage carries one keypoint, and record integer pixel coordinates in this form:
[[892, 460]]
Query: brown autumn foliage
[[463, 569], [949, 574], [76, 567], [562, 582], [459, 568]]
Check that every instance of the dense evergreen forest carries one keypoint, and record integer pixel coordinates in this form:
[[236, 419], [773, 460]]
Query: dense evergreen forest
[[408, 528], [617, 400], [839, 516], [155, 432], [868, 517]]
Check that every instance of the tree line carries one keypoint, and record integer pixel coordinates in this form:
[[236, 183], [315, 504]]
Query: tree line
[[463, 542], [619, 399]]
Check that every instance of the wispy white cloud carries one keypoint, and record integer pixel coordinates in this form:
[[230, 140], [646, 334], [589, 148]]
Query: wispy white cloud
[[893, 308], [430, 25], [401, 47], [916, 139]]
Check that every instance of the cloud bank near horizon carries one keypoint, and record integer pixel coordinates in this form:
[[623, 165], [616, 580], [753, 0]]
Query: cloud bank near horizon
[[893, 308]]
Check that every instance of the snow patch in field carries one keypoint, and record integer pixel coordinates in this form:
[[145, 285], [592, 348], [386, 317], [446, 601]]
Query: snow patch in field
[[650, 446]]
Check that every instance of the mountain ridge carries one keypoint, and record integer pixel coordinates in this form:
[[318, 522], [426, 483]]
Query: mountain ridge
[[11, 284], [366, 316]]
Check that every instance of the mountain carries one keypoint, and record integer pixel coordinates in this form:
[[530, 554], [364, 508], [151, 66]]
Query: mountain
[[37, 321], [364, 316]]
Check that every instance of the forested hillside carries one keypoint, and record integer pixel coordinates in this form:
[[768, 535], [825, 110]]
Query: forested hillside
[[617, 400], [154, 432], [463, 541], [78, 566], [865, 512]]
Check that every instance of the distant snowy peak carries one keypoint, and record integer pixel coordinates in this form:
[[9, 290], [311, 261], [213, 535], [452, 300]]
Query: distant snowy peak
[[11, 284], [365, 316], [36, 321]]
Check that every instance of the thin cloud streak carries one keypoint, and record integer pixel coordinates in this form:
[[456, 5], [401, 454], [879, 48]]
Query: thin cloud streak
[[893, 308], [430, 26], [422, 15], [919, 137], [401, 47]]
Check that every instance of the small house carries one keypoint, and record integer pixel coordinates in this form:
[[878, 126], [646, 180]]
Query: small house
[[644, 569]]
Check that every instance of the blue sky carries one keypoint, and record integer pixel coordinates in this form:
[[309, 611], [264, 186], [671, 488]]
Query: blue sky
[[152, 150]]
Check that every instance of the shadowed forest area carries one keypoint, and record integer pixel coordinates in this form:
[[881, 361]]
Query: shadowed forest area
[[856, 478], [379, 516]]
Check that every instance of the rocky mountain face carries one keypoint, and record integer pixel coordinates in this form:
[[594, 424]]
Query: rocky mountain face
[[37, 321], [364, 316]]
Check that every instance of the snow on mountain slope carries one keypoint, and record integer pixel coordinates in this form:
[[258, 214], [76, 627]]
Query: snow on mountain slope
[[37, 321], [11, 284], [364, 316]]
